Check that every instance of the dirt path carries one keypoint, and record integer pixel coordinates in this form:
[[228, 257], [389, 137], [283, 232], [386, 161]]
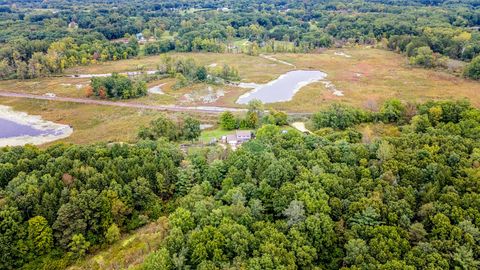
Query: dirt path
[[300, 126], [128, 73], [173, 108], [271, 58]]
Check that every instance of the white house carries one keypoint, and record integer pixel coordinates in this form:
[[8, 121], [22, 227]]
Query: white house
[[238, 138]]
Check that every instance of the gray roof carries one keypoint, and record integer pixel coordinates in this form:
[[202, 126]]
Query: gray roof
[[243, 133], [231, 138]]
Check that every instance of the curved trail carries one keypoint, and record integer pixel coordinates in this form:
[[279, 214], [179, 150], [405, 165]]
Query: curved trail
[[173, 108], [271, 58]]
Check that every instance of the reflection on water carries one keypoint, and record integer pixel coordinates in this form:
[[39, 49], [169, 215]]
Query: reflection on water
[[19, 128], [9, 129], [283, 88]]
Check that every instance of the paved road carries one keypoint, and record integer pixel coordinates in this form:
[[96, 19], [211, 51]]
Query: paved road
[[173, 108]]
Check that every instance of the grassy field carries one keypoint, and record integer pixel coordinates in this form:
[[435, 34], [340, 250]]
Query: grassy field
[[369, 76], [93, 123], [210, 134], [251, 68]]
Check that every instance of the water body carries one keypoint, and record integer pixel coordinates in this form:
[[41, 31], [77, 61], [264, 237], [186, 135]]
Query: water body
[[19, 128], [283, 88], [9, 129]]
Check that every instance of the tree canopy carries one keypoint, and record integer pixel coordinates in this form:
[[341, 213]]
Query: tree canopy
[[285, 200]]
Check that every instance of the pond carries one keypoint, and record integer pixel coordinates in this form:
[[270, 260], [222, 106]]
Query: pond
[[283, 88], [18, 128], [10, 129]]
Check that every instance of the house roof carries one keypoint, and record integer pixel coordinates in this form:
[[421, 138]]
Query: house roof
[[231, 138], [243, 133]]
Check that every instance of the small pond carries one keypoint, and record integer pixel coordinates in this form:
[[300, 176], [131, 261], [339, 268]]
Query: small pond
[[19, 128], [9, 129], [283, 88]]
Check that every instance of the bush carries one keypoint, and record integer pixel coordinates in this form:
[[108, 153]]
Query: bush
[[339, 117], [228, 121], [472, 70], [392, 111], [188, 129], [423, 57], [112, 234], [160, 127]]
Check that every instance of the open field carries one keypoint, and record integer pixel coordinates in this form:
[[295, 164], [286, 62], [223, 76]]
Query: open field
[[371, 76], [93, 123], [368, 76], [251, 68]]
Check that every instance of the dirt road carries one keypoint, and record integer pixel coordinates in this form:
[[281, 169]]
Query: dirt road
[[173, 108]]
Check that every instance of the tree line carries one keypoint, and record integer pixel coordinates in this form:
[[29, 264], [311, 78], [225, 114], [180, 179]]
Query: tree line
[[429, 32]]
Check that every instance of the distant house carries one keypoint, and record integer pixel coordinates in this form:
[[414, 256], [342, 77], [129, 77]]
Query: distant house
[[141, 39], [238, 138], [243, 135], [232, 140], [121, 40], [73, 25], [224, 9]]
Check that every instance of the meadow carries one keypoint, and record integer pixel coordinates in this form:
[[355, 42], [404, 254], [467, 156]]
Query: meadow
[[93, 123], [370, 76], [366, 76]]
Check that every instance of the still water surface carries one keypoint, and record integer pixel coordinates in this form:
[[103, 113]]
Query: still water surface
[[10, 129], [283, 88]]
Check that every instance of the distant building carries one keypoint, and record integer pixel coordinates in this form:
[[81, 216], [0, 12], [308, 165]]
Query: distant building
[[73, 25], [238, 138], [121, 40], [232, 140], [243, 136], [141, 39]]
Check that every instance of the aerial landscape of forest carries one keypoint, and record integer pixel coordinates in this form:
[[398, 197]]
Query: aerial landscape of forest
[[240, 134]]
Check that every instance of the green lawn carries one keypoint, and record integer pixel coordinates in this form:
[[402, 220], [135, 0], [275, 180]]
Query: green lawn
[[208, 135]]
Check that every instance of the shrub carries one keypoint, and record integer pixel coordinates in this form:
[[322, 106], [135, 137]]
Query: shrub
[[472, 70], [339, 117]]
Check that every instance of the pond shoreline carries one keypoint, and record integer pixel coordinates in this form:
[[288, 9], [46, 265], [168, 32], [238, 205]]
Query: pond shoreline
[[281, 95], [52, 131]]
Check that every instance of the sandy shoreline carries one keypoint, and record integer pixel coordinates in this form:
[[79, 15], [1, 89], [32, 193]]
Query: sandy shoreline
[[59, 131]]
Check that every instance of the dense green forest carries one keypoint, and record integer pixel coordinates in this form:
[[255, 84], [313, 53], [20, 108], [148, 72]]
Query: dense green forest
[[42, 38], [394, 188], [408, 199]]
